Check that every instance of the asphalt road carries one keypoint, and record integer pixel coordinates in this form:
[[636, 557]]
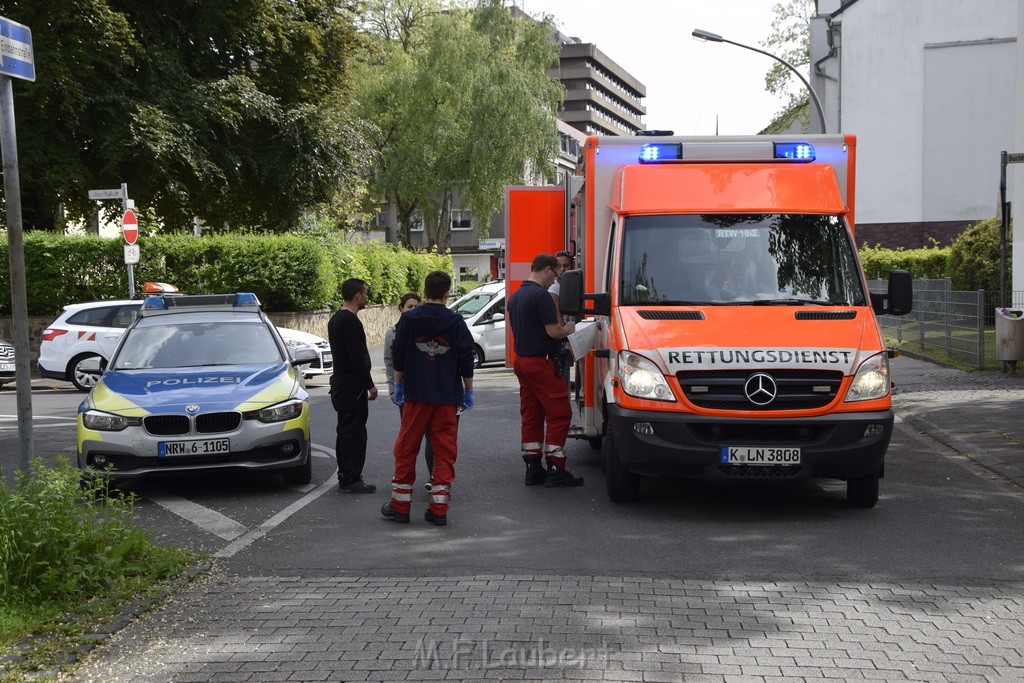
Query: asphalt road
[[939, 516]]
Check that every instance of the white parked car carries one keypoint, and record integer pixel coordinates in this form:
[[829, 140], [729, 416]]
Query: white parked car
[[484, 312], [87, 332], [6, 362], [296, 339]]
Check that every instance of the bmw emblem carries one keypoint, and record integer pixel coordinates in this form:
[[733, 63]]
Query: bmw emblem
[[192, 408], [760, 389]]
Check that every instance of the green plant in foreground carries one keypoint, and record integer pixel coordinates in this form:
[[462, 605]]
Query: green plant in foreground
[[62, 536]]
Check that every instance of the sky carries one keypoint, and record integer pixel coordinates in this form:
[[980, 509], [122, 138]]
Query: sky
[[689, 83]]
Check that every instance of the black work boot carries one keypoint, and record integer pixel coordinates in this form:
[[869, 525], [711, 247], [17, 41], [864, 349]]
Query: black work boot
[[439, 520], [393, 515], [535, 473], [559, 476]]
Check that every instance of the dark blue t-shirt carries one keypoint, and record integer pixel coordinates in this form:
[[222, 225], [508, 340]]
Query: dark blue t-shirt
[[529, 310]]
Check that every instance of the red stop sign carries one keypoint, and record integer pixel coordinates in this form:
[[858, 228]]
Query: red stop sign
[[130, 227]]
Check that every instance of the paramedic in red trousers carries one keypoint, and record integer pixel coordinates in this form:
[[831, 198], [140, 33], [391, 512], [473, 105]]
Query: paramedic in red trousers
[[544, 406], [433, 357]]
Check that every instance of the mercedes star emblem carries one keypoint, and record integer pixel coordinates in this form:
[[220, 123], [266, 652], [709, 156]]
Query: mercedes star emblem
[[760, 389]]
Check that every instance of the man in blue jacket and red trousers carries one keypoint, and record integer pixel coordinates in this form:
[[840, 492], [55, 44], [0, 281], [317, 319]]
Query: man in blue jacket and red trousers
[[433, 358]]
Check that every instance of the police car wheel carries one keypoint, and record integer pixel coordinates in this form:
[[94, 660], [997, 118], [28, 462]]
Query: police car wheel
[[623, 486], [83, 381], [478, 356], [302, 474]]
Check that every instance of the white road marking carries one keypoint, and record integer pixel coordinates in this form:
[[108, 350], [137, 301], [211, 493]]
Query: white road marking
[[203, 517], [246, 539]]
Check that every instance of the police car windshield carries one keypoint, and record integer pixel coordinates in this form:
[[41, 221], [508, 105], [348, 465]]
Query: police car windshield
[[736, 259], [197, 344]]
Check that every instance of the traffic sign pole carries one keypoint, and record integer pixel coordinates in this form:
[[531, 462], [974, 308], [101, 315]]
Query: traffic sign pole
[[16, 258], [130, 231]]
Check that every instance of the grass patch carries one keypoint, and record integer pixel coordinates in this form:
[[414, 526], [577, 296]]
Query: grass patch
[[71, 555]]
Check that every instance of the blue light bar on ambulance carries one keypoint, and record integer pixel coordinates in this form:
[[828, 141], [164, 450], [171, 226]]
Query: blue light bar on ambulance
[[660, 151], [799, 151]]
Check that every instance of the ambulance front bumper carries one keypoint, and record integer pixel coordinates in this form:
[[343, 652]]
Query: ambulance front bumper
[[685, 445]]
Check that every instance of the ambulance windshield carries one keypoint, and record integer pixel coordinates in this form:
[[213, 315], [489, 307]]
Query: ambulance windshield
[[739, 259]]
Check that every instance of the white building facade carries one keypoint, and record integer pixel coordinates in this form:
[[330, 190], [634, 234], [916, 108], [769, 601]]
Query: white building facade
[[933, 91]]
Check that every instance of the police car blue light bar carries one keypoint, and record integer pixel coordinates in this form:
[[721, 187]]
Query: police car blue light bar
[[798, 151], [159, 302], [661, 151]]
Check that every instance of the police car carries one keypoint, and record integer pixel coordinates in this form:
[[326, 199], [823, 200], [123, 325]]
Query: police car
[[198, 383], [89, 332]]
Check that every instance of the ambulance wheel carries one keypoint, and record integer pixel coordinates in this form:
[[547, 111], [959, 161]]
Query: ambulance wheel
[[623, 485], [478, 356], [82, 380], [862, 492], [302, 474]]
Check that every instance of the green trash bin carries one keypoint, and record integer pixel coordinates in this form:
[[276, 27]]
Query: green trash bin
[[1009, 337]]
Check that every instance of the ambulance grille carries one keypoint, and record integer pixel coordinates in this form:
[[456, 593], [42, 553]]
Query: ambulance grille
[[211, 423], [826, 315], [796, 389], [671, 315], [166, 425]]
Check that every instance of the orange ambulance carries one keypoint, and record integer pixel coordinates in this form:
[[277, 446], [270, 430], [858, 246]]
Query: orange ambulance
[[735, 339]]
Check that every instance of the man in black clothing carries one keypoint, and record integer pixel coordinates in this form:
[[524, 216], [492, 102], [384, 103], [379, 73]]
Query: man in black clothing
[[352, 386]]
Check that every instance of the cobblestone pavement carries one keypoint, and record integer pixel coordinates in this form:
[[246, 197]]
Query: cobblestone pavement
[[617, 628], [571, 628]]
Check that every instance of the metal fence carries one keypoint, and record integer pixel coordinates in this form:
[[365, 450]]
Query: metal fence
[[959, 325]]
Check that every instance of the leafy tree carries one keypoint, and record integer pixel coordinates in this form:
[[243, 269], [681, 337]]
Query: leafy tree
[[790, 40], [234, 111], [974, 257], [461, 112]]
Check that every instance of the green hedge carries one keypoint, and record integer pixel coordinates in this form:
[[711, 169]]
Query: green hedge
[[928, 263], [286, 272]]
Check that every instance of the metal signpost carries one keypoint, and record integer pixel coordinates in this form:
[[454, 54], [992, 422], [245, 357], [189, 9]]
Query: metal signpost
[[1004, 225], [130, 230], [16, 62], [131, 256]]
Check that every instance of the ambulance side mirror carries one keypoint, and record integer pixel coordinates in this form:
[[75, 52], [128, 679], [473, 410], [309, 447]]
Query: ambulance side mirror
[[899, 299], [570, 293], [571, 296]]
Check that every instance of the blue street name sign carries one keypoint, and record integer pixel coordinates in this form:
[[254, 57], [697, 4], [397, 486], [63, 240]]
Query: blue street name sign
[[16, 50]]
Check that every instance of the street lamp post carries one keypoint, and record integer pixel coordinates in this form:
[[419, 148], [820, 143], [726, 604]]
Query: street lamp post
[[700, 34]]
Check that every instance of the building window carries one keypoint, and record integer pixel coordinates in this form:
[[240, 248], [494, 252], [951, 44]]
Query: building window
[[461, 220], [415, 223]]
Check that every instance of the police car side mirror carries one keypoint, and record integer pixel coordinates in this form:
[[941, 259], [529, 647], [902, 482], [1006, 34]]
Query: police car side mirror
[[303, 355], [495, 317]]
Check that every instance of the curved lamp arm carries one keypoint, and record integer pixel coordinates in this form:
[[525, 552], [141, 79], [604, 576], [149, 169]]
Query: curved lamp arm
[[700, 34]]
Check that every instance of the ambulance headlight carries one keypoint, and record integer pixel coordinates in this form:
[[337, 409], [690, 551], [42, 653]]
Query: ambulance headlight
[[280, 412], [642, 379], [871, 380], [108, 422]]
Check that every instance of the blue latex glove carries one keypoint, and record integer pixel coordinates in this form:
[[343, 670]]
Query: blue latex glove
[[399, 394], [467, 400]]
